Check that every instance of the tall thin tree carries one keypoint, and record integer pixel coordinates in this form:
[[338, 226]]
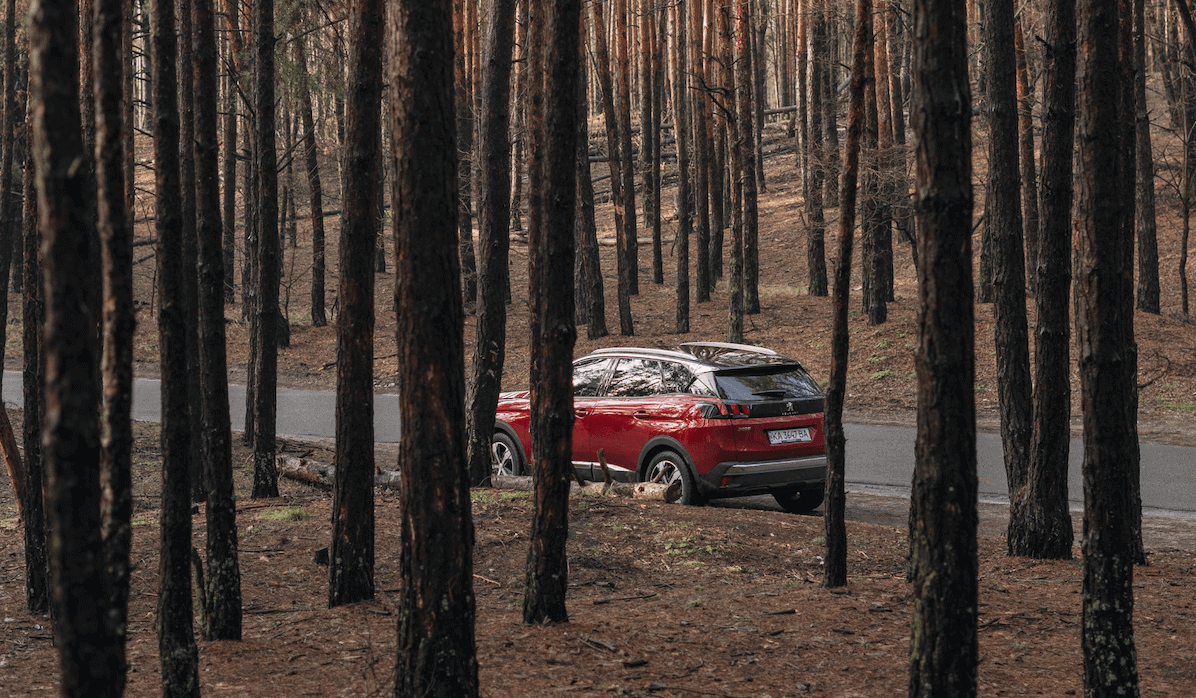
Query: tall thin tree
[[83, 634], [943, 548], [116, 250], [351, 562], [436, 648], [315, 186], [835, 572], [555, 62], [1103, 325], [681, 131], [494, 210]]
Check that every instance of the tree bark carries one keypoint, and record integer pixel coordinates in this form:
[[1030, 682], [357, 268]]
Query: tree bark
[[1147, 227], [37, 563], [1026, 153], [717, 160], [463, 97], [735, 168], [700, 116], [745, 102], [626, 156], [352, 558], [116, 250], [587, 235], [943, 548], [436, 648], [554, 60], [265, 403], [494, 202], [1106, 382], [681, 72], [318, 317], [814, 172], [83, 633], [176, 640], [231, 12], [835, 572], [222, 593], [1005, 226], [1041, 521]]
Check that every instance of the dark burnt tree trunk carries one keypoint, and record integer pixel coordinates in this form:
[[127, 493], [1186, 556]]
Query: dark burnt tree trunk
[[835, 572], [222, 580], [312, 162], [587, 266], [886, 162], [176, 640], [1041, 521], [10, 209], [699, 207], [681, 88], [116, 252], [871, 263], [265, 403], [436, 649], [716, 163], [626, 156], [830, 115], [587, 270], [815, 171], [555, 61], [1103, 326], [463, 96], [351, 557], [649, 134], [1146, 225], [37, 563], [658, 20], [943, 556], [614, 151], [735, 170], [234, 64], [518, 118], [1005, 226], [1026, 154], [494, 212], [90, 659], [748, 154], [190, 284]]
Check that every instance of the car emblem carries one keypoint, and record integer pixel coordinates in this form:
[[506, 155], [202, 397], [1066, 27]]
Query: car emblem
[[788, 406]]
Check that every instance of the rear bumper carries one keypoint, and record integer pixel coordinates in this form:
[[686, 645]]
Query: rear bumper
[[741, 479]]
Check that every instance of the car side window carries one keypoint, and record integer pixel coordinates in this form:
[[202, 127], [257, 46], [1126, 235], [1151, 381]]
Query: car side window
[[635, 378], [587, 377], [680, 380]]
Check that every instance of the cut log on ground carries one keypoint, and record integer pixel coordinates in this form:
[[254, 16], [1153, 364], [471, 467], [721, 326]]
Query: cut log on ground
[[323, 475]]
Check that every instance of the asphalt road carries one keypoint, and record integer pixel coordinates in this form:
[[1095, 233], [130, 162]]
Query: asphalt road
[[880, 460]]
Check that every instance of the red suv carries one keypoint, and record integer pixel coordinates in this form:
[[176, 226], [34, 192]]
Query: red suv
[[725, 420]]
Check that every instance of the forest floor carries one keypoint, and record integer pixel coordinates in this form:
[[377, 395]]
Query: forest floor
[[664, 600]]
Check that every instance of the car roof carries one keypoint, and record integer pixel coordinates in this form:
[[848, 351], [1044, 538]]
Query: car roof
[[711, 355]]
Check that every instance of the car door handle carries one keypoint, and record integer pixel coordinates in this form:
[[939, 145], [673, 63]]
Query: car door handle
[[642, 414], [581, 411]]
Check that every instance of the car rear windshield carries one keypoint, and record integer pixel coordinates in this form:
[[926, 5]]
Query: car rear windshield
[[771, 383]]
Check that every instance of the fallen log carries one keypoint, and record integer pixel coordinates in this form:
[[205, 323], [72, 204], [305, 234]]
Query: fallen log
[[13, 462], [323, 475]]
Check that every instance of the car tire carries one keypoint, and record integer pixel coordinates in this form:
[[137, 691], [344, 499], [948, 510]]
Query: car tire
[[800, 501], [506, 458], [674, 470]]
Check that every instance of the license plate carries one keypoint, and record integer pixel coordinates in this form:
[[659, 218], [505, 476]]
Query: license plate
[[788, 436]]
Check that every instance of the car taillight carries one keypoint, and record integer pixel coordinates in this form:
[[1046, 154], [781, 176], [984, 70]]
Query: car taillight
[[721, 410]]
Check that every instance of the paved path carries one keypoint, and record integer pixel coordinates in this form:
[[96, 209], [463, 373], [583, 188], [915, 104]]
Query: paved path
[[880, 460]]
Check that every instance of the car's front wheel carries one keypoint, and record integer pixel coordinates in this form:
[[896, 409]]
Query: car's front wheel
[[667, 467], [504, 455], [800, 501]]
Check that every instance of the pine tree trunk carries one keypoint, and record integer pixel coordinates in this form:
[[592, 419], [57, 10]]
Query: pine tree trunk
[[835, 570], [716, 130], [700, 116], [816, 156], [1103, 326], [587, 234], [735, 168], [494, 202], [318, 317], [232, 25], [351, 555], [1147, 226], [681, 101], [37, 562], [626, 157], [1040, 524], [745, 79], [943, 550], [1026, 154], [176, 640], [463, 99], [553, 131], [265, 405], [436, 649], [116, 250]]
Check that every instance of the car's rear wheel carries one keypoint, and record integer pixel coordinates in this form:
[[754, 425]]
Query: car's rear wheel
[[798, 501], [668, 467], [505, 458]]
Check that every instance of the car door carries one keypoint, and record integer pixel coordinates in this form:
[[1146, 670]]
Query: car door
[[622, 419], [589, 375]]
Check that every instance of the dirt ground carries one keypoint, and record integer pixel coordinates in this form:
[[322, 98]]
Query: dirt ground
[[665, 600]]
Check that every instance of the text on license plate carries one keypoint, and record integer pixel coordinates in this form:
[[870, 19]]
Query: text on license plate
[[788, 436]]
